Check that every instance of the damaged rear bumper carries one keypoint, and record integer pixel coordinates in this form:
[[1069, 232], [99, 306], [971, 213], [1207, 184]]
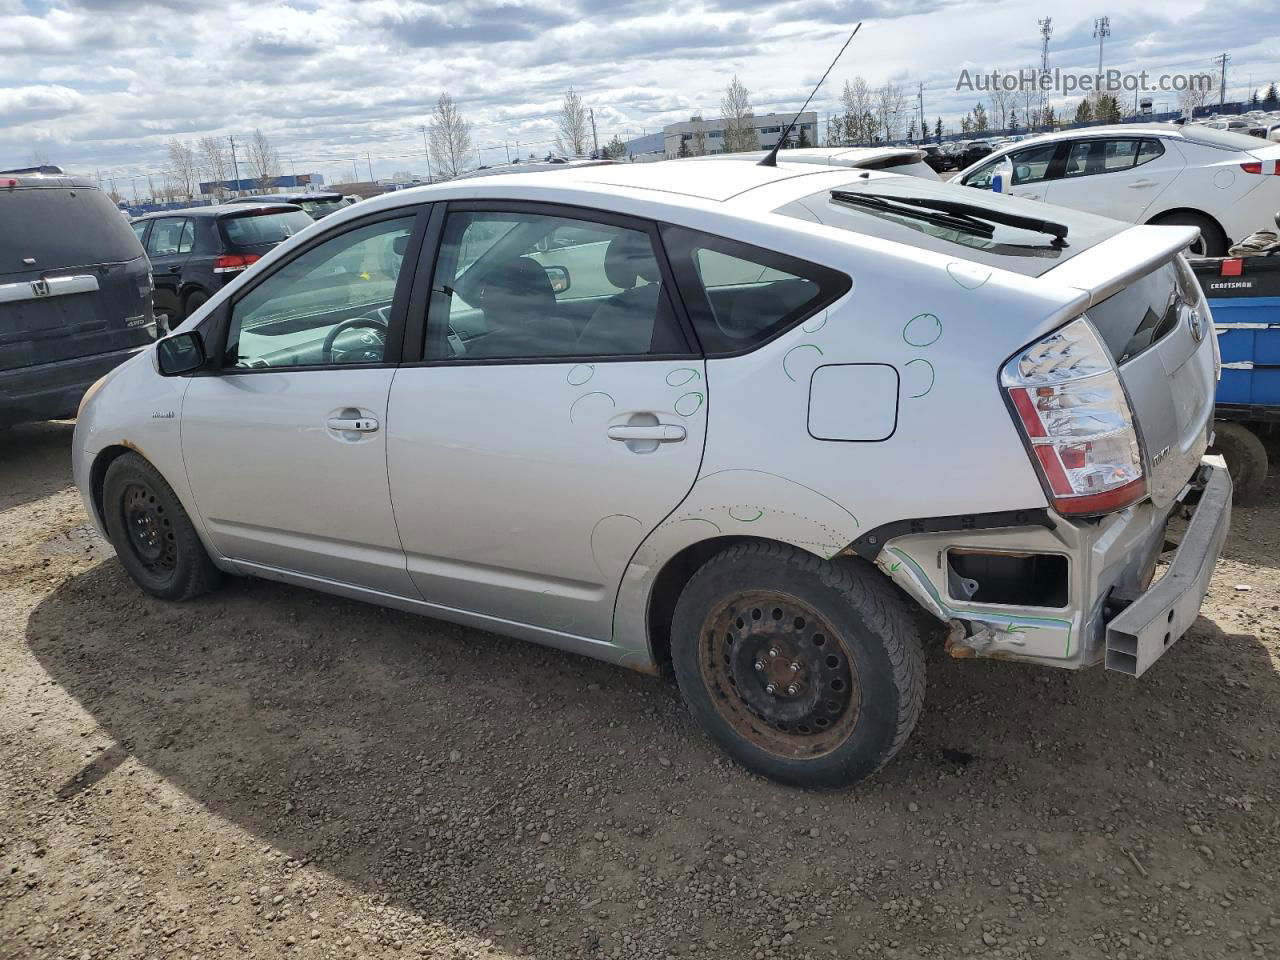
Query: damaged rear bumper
[[1138, 636], [1105, 607]]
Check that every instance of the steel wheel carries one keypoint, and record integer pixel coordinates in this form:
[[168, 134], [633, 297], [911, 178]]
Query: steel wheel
[[780, 674], [150, 530]]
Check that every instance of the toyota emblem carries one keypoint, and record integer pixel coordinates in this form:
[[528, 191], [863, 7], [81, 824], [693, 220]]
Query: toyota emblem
[[1196, 323]]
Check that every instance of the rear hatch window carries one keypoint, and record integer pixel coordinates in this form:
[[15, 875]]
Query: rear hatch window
[[1018, 249], [262, 228], [1143, 312], [321, 208], [62, 227]]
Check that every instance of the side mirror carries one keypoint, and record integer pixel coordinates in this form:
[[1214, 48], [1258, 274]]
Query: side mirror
[[559, 277], [180, 353]]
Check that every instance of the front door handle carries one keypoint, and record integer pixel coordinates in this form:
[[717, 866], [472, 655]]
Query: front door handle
[[1139, 184], [353, 425], [1028, 196], [175, 269], [658, 433]]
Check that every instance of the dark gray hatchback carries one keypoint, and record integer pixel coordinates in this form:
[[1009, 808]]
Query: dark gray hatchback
[[75, 292]]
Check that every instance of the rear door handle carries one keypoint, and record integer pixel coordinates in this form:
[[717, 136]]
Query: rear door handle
[[1139, 184], [1028, 196], [659, 433], [354, 425]]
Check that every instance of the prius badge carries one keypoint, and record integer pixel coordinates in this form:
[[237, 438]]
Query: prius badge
[[1196, 323]]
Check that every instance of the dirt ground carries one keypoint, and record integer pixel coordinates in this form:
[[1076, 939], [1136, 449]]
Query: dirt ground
[[269, 772]]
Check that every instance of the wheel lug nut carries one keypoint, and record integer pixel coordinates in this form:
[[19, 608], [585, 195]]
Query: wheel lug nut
[[771, 688], [759, 665], [773, 651], [793, 689], [795, 667]]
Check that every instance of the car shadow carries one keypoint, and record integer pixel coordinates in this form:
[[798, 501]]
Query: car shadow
[[35, 461], [387, 748]]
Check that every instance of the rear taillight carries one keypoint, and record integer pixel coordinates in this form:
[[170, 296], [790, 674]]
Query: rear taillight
[[234, 262], [1261, 166], [1066, 393]]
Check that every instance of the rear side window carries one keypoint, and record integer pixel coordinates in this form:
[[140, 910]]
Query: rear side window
[[740, 296], [171, 237], [259, 228], [63, 227]]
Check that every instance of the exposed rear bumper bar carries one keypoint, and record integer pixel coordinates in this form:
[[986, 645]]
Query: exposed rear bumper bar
[[1140, 635]]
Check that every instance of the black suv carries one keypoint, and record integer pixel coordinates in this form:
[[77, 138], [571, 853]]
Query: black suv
[[75, 292], [316, 205], [195, 252]]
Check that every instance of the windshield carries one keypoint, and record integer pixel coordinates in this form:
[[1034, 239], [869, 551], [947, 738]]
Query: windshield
[[1021, 250], [258, 228], [62, 227]]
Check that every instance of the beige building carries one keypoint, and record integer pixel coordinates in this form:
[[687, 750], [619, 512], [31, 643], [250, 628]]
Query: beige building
[[768, 128]]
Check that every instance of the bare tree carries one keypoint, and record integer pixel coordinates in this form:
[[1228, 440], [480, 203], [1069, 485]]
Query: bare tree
[[183, 167], [889, 104], [1001, 101], [700, 142], [574, 127], [739, 126], [450, 138], [215, 162], [1028, 98], [859, 111], [263, 161], [1196, 95]]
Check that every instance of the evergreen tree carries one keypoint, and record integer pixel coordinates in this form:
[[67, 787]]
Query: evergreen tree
[[1255, 101], [1272, 99], [804, 139], [1084, 112], [980, 118], [684, 148], [1013, 120], [937, 130]]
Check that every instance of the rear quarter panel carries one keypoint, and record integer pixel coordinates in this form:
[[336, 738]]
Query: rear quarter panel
[[946, 326]]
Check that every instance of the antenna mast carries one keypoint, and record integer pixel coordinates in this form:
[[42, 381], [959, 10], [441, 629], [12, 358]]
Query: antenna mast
[[1101, 30], [772, 159]]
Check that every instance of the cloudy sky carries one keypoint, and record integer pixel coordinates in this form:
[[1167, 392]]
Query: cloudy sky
[[101, 85]]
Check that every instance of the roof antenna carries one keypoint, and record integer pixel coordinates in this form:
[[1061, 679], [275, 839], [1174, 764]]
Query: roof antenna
[[772, 159]]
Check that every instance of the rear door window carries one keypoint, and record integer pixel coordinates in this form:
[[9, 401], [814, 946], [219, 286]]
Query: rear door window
[[740, 296], [171, 237]]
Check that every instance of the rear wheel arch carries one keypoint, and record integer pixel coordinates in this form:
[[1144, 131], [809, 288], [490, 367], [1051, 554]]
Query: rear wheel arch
[[670, 583], [1220, 241]]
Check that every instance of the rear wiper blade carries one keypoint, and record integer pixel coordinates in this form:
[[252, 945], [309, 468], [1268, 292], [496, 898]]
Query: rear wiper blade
[[959, 208], [888, 205]]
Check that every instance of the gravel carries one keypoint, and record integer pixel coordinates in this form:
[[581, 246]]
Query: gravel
[[268, 772]]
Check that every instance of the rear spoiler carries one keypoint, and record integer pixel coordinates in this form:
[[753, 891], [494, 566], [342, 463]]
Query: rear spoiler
[[1110, 266]]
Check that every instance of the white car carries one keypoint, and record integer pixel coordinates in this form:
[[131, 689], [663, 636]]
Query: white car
[[1223, 184], [907, 161], [733, 421]]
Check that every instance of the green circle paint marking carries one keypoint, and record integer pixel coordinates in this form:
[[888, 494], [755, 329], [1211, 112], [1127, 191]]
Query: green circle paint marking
[[681, 375], [585, 396], [814, 324], [580, 374], [932, 376], [759, 514], [967, 275], [689, 404], [803, 346], [922, 330]]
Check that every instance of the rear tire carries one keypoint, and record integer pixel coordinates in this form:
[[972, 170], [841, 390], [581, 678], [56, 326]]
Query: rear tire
[[193, 302], [1212, 242], [1245, 455], [153, 536], [803, 670]]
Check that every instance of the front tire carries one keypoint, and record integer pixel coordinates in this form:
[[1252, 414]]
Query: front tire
[[153, 536], [805, 671]]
